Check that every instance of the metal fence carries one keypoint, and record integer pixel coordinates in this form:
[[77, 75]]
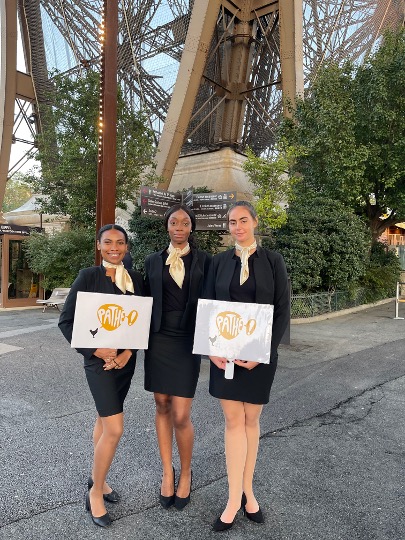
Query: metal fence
[[310, 305]]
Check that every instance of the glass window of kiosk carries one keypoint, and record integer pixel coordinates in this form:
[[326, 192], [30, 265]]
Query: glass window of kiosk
[[20, 286]]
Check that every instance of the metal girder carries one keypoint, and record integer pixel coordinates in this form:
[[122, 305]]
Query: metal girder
[[227, 109], [246, 60], [203, 20], [13, 85]]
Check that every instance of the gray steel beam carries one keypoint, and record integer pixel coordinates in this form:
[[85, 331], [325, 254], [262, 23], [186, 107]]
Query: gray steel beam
[[201, 28]]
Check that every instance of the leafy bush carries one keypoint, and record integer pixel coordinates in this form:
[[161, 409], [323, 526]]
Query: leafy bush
[[382, 273], [60, 256], [325, 246]]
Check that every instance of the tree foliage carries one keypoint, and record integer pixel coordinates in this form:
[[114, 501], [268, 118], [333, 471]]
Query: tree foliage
[[382, 273], [349, 135], [68, 150], [273, 187], [149, 235], [18, 192], [60, 256], [325, 245]]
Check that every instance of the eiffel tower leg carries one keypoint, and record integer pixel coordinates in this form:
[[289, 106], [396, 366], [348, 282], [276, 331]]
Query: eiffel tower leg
[[13, 84], [291, 52], [202, 24]]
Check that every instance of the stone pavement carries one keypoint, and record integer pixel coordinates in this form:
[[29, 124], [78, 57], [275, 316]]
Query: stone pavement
[[331, 459]]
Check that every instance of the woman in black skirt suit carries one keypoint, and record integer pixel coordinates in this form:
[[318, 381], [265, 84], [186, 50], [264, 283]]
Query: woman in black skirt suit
[[108, 371], [174, 278], [246, 274]]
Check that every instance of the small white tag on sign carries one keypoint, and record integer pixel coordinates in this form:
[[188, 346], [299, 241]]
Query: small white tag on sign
[[229, 369]]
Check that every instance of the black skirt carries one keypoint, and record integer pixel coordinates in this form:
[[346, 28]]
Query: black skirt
[[249, 386], [109, 388], [170, 366]]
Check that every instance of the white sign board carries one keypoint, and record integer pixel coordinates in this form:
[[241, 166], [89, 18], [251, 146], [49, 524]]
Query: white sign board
[[111, 321], [234, 330]]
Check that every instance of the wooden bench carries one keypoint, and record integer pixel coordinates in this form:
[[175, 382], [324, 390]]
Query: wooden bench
[[56, 299]]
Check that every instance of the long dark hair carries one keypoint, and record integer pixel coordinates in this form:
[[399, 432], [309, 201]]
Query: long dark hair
[[109, 227]]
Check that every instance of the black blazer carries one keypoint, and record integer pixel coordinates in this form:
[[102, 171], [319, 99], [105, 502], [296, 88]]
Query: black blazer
[[271, 286], [91, 279], [154, 285]]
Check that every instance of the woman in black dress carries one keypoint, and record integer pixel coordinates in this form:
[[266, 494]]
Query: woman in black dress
[[246, 274], [174, 278], [108, 371]]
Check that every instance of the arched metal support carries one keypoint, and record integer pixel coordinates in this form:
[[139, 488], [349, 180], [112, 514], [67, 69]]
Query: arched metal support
[[13, 85]]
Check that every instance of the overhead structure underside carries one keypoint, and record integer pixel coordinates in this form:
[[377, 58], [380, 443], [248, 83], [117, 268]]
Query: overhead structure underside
[[239, 100]]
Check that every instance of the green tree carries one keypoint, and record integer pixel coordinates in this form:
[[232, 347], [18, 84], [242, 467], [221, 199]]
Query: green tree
[[348, 135], [382, 273], [18, 192], [325, 245], [68, 150], [60, 256], [273, 187]]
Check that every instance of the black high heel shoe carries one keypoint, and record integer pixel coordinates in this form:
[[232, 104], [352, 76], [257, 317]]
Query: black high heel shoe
[[181, 502], [112, 497], [102, 521], [220, 525], [167, 502], [257, 517]]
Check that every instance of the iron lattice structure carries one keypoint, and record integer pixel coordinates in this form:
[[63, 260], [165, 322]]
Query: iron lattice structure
[[64, 35]]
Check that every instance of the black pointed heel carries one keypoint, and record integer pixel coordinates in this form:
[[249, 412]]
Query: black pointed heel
[[102, 521], [220, 525], [182, 502], [257, 517], [167, 502], [112, 497]]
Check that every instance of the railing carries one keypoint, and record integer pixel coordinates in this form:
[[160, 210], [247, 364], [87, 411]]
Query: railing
[[396, 240], [311, 305]]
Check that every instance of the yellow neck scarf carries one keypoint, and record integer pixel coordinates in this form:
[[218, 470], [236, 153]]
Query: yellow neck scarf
[[176, 263], [244, 258], [122, 278]]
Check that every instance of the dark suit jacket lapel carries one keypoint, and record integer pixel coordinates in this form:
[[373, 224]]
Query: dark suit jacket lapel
[[105, 283], [228, 270], [193, 273], [156, 275], [264, 278]]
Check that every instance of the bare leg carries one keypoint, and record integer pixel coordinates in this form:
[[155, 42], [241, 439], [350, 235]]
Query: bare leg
[[235, 451], [184, 432], [164, 431], [104, 452], [252, 426], [97, 432]]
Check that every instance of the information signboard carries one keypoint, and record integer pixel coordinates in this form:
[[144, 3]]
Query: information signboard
[[210, 208], [155, 202]]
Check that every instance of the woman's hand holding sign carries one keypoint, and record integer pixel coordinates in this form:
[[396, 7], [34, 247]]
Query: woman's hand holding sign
[[218, 361], [247, 364]]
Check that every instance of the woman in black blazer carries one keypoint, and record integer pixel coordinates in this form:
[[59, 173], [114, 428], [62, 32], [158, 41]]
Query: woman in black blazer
[[174, 278], [108, 371], [248, 274]]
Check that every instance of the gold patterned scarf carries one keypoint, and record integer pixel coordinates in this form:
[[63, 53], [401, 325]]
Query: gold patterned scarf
[[122, 278], [176, 263], [244, 258]]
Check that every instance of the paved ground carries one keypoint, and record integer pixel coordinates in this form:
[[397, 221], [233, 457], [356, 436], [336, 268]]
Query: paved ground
[[331, 460]]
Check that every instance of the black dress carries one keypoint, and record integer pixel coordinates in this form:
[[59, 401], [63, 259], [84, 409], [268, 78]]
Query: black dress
[[250, 386], [170, 366], [109, 388]]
